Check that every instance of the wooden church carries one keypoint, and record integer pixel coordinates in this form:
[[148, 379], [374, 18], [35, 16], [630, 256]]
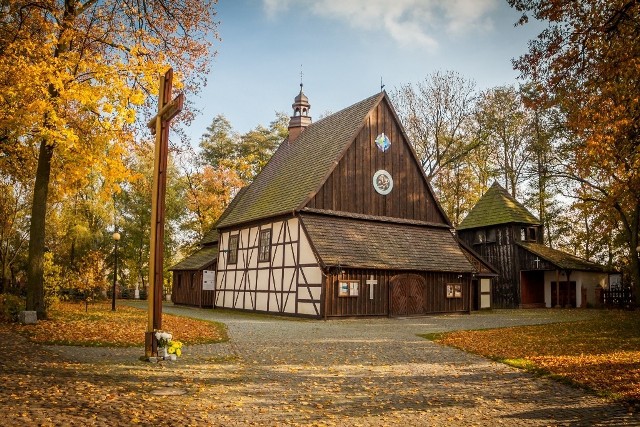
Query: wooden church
[[530, 274], [343, 222]]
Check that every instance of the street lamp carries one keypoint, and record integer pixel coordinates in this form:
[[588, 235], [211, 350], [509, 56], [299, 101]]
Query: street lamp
[[116, 237]]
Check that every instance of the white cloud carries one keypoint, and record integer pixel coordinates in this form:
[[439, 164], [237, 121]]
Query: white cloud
[[420, 22]]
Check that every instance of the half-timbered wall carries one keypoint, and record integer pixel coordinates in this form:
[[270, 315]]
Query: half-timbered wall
[[289, 282], [187, 288], [503, 255], [349, 187], [380, 303]]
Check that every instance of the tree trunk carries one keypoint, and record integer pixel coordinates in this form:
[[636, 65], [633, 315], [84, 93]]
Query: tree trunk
[[35, 270]]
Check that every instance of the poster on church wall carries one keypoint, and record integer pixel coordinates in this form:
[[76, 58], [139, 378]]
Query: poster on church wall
[[208, 280], [353, 289], [348, 288], [454, 290], [343, 290]]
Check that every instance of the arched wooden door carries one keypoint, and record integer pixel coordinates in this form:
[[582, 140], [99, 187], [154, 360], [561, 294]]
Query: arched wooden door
[[407, 295]]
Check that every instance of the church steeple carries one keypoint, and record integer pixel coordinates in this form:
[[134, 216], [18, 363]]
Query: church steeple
[[300, 119]]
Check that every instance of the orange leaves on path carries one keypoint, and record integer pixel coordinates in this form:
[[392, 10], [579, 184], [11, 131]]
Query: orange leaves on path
[[69, 324], [601, 353]]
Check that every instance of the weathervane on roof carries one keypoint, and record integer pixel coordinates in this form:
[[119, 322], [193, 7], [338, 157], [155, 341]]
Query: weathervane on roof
[[381, 85], [300, 76]]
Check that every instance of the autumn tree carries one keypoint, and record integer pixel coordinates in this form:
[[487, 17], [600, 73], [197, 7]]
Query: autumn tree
[[75, 75], [134, 215], [437, 114], [247, 154], [587, 63], [504, 125]]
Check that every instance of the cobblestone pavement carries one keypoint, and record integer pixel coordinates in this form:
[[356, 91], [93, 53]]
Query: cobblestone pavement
[[275, 371]]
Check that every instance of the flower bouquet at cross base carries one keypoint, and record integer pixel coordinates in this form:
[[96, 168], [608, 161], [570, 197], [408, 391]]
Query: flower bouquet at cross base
[[163, 338], [175, 347], [170, 346]]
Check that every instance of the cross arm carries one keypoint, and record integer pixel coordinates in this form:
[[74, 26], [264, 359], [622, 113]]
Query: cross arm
[[168, 112]]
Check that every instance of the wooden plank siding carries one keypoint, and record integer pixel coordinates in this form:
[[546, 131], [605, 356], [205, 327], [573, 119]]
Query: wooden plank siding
[[187, 288], [504, 257], [349, 187], [435, 300]]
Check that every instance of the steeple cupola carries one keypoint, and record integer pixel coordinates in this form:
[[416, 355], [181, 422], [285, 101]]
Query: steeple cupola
[[300, 119]]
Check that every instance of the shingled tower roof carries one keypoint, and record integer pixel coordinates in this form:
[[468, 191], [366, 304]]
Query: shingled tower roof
[[497, 206]]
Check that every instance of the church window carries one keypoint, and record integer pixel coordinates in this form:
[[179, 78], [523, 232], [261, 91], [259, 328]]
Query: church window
[[479, 237], [529, 234], [491, 236], [264, 253], [232, 257]]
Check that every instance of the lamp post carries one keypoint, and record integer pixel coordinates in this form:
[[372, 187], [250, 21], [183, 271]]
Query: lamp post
[[116, 237]]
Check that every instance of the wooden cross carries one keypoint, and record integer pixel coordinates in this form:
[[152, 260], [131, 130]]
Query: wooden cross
[[371, 282], [159, 125], [537, 261]]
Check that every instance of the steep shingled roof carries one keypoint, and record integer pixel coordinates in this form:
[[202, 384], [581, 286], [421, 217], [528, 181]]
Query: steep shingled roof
[[212, 236], [197, 260], [351, 242], [497, 206], [561, 259], [299, 168]]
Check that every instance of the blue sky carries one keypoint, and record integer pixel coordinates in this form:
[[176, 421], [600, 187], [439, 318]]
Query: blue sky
[[345, 47]]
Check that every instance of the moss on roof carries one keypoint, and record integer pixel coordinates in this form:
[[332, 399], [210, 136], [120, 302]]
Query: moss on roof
[[561, 259], [298, 168], [497, 206], [360, 243], [198, 260]]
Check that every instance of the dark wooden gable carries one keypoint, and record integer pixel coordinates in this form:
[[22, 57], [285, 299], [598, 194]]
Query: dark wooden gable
[[349, 187]]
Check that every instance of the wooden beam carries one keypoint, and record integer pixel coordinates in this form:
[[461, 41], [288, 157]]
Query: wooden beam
[[167, 113]]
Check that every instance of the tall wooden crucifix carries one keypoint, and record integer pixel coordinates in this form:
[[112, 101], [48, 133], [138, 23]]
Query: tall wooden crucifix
[[159, 125]]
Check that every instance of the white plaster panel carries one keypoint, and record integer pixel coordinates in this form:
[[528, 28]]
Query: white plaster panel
[[306, 253], [289, 279], [293, 228], [309, 293], [289, 255], [253, 234], [485, 301], [250, 300], [312, 274], [253, 258], [261, 301], [306, 308], [244, 238], [278, 232], [277, 280], [263, 280], [226, 299], [237, 281], [289, 303], [250, 281]]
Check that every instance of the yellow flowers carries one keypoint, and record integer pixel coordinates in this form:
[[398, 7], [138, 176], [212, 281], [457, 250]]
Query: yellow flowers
[[175, 347]]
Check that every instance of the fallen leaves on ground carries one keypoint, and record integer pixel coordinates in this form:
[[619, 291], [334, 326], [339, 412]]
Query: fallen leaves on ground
[[602, 353], [70, 324]]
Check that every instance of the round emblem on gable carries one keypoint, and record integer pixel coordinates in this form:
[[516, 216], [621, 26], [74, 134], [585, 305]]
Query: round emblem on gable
[[382, 182]]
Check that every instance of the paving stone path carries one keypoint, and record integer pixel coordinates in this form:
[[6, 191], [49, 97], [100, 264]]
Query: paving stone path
[[274, 371]]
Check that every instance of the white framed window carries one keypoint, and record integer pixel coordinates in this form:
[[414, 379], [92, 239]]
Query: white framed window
[[232, 257], [264, 246]]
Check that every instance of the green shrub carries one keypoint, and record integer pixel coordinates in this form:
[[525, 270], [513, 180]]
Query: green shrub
[[10, 306]]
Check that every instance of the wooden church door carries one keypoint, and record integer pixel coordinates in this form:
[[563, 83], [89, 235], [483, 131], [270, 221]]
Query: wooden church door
[[407, 295]]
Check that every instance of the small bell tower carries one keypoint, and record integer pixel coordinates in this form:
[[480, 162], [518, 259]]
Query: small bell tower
[[300, 119]]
